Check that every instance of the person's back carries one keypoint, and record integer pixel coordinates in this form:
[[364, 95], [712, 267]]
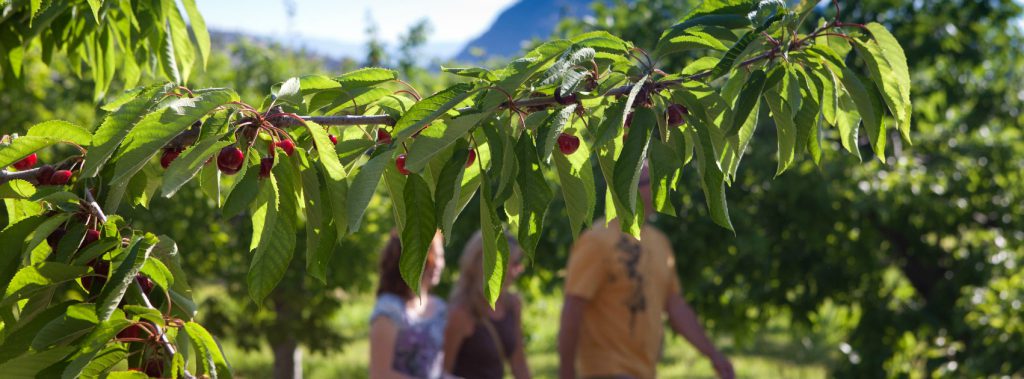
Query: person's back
[[618, 291], [626, 284], [407, 328], [480, 339], [482, 354], [418, 337]]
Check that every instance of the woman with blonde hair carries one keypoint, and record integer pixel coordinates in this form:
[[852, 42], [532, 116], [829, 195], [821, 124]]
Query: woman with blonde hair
[[479, 340]]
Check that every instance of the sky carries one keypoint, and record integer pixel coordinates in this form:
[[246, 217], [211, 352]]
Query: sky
[[454, 22]]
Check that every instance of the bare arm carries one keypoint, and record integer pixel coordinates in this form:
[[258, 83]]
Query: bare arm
[[383, 333], [459, 326], [569, 335], [517, 360], [684, 321]]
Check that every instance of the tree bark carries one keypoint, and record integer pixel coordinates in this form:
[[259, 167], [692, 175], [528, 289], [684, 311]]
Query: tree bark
[[287, 355], [287, 359]]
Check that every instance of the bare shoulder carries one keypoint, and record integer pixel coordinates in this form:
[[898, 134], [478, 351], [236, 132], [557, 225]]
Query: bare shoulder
[[381, 327], [514, 301], [459, 317]]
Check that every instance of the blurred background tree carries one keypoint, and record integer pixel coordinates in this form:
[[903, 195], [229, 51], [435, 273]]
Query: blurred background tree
[[920, 253]]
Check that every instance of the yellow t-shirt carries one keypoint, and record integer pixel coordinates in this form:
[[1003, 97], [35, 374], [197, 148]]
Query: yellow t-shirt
[[627, 283]]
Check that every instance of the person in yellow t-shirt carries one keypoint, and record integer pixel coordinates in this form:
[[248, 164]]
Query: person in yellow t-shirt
[[618, 291]]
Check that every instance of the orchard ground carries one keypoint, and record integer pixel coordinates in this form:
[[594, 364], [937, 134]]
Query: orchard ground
[[780, 353]]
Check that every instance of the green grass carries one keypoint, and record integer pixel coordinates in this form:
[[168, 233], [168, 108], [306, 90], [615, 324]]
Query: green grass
[[776, 353]]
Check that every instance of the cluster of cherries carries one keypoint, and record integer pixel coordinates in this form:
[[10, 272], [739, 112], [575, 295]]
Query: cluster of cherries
[[47, 174], [101, 268], [230, 159], [383, 137], [94, 283]]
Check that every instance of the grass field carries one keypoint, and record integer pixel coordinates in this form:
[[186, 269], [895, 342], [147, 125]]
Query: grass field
[[776, 353]]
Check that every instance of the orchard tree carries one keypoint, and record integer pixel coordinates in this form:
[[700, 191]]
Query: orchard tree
[[922, 252], [130, 39], [311, 155]]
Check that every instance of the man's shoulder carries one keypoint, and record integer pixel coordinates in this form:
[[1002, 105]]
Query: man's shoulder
[[611, 231], [601, 233], [652, 232], [604, 228]]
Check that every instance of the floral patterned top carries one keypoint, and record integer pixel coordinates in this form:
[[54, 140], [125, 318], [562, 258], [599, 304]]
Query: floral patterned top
[[419, 346]]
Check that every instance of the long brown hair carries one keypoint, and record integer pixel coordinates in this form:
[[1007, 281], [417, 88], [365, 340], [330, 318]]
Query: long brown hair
[[469, 289], [390, 275]]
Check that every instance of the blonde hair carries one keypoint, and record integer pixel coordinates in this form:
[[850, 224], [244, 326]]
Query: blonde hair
[[469, 288]]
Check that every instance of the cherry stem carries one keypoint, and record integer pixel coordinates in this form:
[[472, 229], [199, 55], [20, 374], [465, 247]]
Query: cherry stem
[[367, 133], [244, 106], [844, 36], [647, 57], [856, 25], [414, 93], [410, 93], [170, 303], [130, 339], [186, 90], [479, 161]]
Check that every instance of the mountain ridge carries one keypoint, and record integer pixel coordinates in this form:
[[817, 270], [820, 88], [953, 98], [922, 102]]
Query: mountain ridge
[[518, 24]]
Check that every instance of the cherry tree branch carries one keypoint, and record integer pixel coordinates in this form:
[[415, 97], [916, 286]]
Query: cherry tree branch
[[529, 104], [26, 175]]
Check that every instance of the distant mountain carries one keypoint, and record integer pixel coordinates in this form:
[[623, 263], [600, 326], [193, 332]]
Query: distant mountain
[[520, 23], [331, 50]]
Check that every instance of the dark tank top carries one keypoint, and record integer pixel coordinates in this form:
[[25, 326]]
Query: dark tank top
[[478, 357]]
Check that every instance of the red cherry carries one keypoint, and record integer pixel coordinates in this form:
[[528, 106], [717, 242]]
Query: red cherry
[[334, 139], [91, 236], [383, 136], [60, 177], [55, 236], [564, 100], [44, 175], [266, 164], [472, 158], [145, 282], [568, 143], [154, 368], [169, 156], [676, 114], [230, 160], [400, 164], [99, 267], [250, 132], [27, 162], [629, 120], [132, 331], [287, 145]]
